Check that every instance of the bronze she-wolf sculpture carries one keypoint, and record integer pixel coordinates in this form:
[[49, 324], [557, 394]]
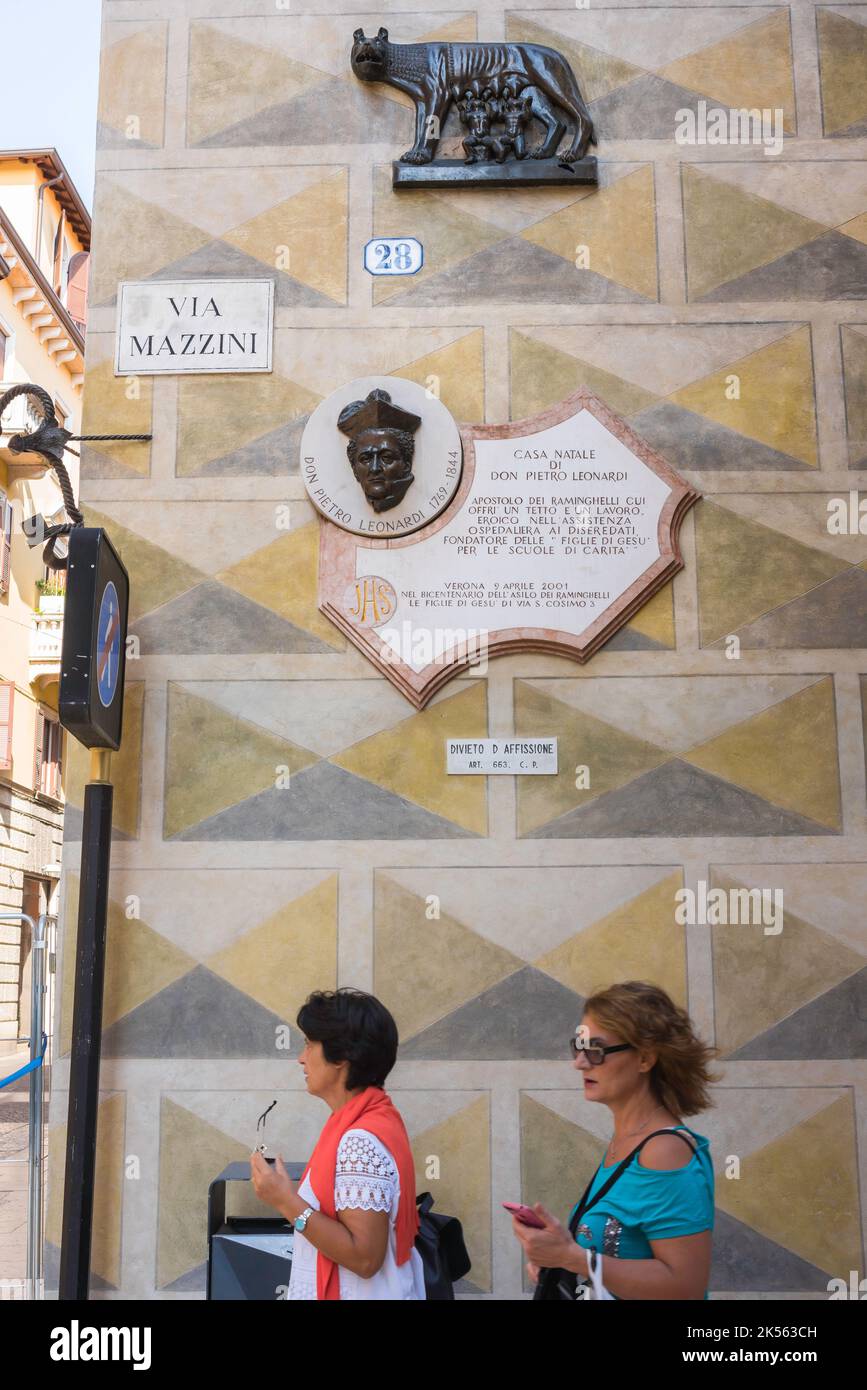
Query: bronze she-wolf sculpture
[[435, 74]]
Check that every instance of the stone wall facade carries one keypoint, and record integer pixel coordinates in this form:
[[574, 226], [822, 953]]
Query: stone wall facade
[[720, 308]]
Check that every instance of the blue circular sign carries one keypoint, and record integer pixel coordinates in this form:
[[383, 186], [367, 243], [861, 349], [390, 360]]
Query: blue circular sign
[[108, 644]]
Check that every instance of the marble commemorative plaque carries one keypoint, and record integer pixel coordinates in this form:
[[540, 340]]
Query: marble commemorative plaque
[[562, 527]]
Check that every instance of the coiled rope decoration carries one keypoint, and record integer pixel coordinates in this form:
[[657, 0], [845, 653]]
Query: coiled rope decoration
[[50, 440]]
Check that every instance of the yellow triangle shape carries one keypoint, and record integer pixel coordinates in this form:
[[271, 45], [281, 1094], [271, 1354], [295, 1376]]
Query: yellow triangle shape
[[775, 402], [121, 251], [215, 759], [612, 756], [114, 405], [462, 1143], [283, 576], [156, 576], [312, 226], [597, 73], [425, 965], [801, 1190], [760, 979], [843, 60], [855, 367], [409, 759], [617, 225], [745, 569], [639, 940], [139, 962], [786, 754], [450, 235], [655, 618], [558, 1158], [461, 30], [221, 413], [192, 1153], [751, 69], [107, 1186], [856, 228], [231, 79], [542, 375], [133, 83], [282, 960], [730, 232], [456, 373], [125, 765]]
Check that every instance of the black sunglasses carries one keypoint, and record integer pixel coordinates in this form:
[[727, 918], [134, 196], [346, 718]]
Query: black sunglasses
[[595, 1052]]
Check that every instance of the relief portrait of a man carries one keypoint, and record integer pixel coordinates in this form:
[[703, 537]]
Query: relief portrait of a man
[[380, 448]]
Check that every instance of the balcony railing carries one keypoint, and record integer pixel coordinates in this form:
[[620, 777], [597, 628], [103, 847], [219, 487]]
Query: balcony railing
[[46, 635]]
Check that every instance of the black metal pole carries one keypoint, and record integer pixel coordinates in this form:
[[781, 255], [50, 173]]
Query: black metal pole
[[86, 1041]]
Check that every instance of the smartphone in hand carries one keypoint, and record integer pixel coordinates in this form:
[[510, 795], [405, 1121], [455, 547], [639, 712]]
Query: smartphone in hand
[[525, 1215]]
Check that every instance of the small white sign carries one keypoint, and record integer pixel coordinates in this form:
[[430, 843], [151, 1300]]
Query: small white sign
[[179, 326], [515, 756], [393, 255]]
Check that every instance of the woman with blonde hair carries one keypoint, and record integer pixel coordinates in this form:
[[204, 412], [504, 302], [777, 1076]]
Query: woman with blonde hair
[[648, 1210]]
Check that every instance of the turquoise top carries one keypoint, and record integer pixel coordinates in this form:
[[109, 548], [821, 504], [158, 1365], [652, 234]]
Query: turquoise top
[[648, 1204]]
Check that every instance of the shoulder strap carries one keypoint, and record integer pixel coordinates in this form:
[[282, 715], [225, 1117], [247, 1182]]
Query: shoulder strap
[[584, 1206]]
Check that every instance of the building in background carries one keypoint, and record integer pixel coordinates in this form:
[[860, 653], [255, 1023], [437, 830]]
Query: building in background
[[44, 259]]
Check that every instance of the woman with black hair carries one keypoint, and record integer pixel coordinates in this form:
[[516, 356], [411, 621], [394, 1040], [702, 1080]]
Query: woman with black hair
[[354, 1210]]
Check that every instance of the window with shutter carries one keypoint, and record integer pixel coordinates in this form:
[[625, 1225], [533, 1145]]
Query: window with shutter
[[5, 541], [51, 772], [57, 732], [7, 694], [38, 749], [49, 742]]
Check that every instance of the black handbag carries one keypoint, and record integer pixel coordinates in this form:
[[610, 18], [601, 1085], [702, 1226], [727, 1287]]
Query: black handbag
[[559, 1285], [440, 1243]]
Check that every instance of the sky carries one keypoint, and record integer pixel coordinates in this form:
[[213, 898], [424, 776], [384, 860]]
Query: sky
[[49, 96]]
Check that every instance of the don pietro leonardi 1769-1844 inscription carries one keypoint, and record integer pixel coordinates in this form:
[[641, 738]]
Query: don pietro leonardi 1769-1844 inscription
[[563, 525]]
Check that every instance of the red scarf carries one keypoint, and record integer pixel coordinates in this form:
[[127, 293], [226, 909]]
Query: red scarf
[[372, 1110]]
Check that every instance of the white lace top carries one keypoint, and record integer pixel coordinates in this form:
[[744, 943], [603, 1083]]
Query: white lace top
[[365, 1179]]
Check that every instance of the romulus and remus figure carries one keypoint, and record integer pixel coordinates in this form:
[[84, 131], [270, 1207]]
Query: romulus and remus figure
[[432, 73]]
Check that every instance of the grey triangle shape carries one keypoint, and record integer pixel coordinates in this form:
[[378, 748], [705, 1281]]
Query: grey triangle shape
[[324, 802], [688, 440], [677, 801], [527, 1016], [332, 112], [271, 455], [515, 272], [199, 1015], [834, 614], [830, 1027], [195, 1280], [219, 260], [744, 1261], [648, 103], [628, 639], [466, 1289], [107, 138], [852, 132], [832, 266], [213, 618], [73, 825], [51, 1271], [95, 464]]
